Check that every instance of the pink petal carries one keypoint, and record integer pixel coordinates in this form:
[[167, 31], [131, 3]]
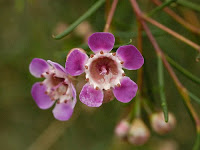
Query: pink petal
[[75, 62], [38, 93], [57, 66], [63, 111], [90, 96], [38, 66], [126, 91], [131, 57], [101, 41]]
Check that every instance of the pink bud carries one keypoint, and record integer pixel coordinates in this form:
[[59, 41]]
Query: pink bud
[[138, 133], [122, 128], [159, 125]]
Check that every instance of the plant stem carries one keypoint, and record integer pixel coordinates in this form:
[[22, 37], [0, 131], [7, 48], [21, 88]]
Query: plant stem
[[110, 15], [178, 18], [189, 5], [146, 106], [180, 87], [161, 88], [137, 107], [88, 13], [160, 7], [183, 71], [173, 33]]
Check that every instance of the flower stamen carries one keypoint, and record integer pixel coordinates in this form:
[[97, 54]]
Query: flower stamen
[[92, 55], [86, 67]]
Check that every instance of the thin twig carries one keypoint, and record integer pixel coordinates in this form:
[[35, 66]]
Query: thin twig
[[178, 18], [180, 87], [110, 15], [173, 33]]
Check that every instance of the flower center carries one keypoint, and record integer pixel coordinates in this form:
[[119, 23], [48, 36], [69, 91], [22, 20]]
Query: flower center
[[104, 70], [57, 87]]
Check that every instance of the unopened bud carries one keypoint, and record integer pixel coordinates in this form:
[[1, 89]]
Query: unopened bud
[[122, 128], [108, 96], [159, 125], [138, 133]]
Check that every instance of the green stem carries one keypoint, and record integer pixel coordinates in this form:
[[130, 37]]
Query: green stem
[[161, 88], [183, 71], [194, 97], [189, 4], [137, 108], [146, 106], [197, 142], [80, 19], [163, 5]]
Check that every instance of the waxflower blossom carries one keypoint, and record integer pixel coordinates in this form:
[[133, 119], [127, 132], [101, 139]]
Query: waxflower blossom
[[56, 87], [104, 70]]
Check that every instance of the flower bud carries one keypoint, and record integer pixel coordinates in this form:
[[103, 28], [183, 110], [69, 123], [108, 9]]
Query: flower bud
[[122, 128], [138, 133], [108, 96], [159, 125]]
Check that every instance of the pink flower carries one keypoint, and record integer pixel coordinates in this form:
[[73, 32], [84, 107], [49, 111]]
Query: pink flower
[[55, 87], [104, 70]]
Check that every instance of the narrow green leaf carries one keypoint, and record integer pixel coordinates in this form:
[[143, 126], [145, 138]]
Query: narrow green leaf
[[183, 71], [194, 97], [161, 86], [80, 19], [163, 5], [189, 4]]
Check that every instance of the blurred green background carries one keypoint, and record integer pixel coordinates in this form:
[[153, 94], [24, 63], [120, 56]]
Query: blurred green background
[[26, 29]]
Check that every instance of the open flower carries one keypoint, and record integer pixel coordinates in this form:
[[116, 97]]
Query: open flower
[[56, 87], [104, 70]]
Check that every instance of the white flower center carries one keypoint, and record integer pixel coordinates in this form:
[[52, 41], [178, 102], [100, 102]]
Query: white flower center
[[57, 86], [104, 70]]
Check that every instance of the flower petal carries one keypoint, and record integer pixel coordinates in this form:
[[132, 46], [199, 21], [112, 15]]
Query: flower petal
[[126, 91], [101, 41], [38, 93], [63, 111], [90, 96], [75, 62], [38, 66], [57, 66], [131, 57], [74, 95]]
